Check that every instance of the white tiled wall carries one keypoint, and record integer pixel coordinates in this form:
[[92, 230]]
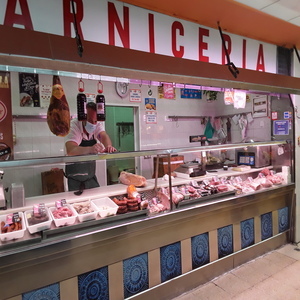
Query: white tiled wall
[[34, 139]]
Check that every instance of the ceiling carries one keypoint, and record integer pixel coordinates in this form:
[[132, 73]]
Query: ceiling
[[272, 21]]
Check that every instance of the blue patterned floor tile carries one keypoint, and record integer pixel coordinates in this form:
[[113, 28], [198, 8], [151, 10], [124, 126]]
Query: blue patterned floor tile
[[200, 250], [50, 292], [135, 274], [283, 219], [247, 233], [94, 285], [225, 241], [266, 226], [170, 261]]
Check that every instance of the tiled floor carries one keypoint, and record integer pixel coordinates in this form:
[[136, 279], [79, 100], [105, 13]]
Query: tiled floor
[[275, 275]]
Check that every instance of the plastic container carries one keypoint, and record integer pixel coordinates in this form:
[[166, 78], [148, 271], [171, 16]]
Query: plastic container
[[64, 221], [39, 226], [14, 234], [87, 216], [106, 207]]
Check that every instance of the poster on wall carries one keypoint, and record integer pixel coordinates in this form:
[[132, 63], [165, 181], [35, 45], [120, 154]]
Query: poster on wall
[[166, 91], [45, 94], [281, 127], [260, 106], [151, 117], [29, 90], [135, 95], [90, 97], [6, 133], [190, 94], [150, 103]]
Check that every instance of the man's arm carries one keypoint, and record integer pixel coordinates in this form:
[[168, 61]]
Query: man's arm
[[106, 141], [73, 149]]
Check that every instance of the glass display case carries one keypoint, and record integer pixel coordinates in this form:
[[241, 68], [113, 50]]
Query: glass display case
[[205, 201], [190, 176]]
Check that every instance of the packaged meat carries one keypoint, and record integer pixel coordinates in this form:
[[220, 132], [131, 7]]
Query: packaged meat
[[132, 192], [222, 188], [275, 179], [129, 178], [255, 185], [241, 168], [265, 171]]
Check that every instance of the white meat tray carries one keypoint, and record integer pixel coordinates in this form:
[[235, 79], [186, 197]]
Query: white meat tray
[[106, 207], [14, 234], [39, 226], [64, 221], [87, 216]]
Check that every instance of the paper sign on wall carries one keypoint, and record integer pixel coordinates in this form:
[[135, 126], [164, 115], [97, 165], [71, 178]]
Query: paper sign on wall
[[135, 95], [287, 115], [274, 115], [90, 97], [281, 127], [29, 90], [45, 93], [150, 103], [190, 94], [228, 96], [166, 91], [151, 117]]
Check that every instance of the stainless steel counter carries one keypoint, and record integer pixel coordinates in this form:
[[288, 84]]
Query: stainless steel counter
[[66, 254]]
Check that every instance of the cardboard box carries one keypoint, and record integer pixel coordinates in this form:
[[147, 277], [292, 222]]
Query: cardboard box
[[175, 162]]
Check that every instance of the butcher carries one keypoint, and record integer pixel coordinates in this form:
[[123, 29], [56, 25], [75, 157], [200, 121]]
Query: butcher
[[86, 137]]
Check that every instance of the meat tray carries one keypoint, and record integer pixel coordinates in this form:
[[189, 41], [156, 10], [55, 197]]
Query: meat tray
[[205, 198], [14, 234], [99, 223], [64, 221], [39, 226]]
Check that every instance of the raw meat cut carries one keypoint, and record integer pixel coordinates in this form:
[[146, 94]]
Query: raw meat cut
[[129, 178]]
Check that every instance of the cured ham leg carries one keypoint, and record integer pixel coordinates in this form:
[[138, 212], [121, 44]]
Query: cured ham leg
[[58, 115]]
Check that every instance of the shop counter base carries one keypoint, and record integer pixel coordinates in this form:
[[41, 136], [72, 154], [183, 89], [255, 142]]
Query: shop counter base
[[171, 253]]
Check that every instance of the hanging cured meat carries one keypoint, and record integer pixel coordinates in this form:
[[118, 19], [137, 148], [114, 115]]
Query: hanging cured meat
[[58, 116]]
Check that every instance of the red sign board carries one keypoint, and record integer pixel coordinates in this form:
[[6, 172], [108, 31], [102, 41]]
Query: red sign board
[[6, 133]]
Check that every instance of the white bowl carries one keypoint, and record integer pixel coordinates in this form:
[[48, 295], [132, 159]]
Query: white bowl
[[64, 221], [87, 216], [106, 207], [39, 226], [14, 234]]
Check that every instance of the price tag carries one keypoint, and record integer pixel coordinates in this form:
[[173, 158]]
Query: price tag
[[16, 218], [42, 209], [60, 203], [35, 209], [215, 179], [280, 150], [9, 219]]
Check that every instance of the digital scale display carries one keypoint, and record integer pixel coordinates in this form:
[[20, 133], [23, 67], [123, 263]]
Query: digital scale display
[[246, 159]]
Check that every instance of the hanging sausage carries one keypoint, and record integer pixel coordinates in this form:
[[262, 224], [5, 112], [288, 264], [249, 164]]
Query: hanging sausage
[[81, 102], [100, 102], [58, 115]]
